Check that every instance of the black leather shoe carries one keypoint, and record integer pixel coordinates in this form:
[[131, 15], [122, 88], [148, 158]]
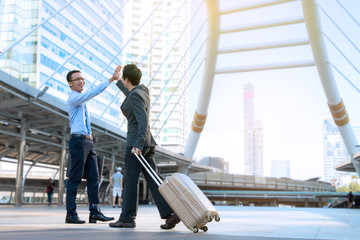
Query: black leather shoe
[[170, 222], [119, 224], [99, 217], [74, 219]]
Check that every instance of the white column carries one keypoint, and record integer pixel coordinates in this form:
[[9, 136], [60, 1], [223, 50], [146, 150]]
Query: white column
[[335, 102], [20, 165], [112, 168], [62, 167], [208, 78]]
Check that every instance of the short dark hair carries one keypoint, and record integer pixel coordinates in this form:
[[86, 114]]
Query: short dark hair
[[68, 76], [133, 73]]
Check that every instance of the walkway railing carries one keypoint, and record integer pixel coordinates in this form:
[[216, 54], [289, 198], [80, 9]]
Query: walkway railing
[[215, 180], [213, 184]]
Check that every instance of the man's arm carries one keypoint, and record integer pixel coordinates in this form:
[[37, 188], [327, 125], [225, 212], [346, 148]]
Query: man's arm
[[76, 100], [121, 86]]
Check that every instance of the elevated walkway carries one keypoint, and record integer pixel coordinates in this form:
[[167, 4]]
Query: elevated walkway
[[250, 223], [227, 188]]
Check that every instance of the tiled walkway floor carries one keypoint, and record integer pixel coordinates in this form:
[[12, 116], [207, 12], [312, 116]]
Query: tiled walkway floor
[[236, 223]]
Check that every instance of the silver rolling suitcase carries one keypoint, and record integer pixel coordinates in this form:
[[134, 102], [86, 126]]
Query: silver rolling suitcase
[[188, 202]]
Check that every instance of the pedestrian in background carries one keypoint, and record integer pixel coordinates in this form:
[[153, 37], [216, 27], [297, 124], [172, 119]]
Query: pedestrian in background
[[116, 181], [49, 189], [350, 199]]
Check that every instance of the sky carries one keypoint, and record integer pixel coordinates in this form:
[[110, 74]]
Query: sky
[[290, 103]]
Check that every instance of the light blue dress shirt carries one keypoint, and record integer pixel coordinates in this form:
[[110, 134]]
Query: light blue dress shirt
[[78, 114]]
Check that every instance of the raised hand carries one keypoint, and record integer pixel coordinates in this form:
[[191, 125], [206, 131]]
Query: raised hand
[[116, 75]]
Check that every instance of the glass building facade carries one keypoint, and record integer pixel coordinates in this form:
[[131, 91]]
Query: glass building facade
[[334, 152], [17, 18], [84, 35], [96, 36], [280, 168]]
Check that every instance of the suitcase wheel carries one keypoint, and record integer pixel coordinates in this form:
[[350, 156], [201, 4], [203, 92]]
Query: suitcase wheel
[[217, 218], [195, 229], [204, 228], [208, 218]]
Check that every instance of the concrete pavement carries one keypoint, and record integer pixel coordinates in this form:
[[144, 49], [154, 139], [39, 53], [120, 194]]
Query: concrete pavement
[[254, 223]]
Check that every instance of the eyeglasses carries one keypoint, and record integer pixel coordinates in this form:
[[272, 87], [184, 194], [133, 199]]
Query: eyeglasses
[[78, 79]]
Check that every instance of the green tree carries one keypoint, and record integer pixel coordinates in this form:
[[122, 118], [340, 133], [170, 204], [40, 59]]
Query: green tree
[[354, 187], [343, 189]]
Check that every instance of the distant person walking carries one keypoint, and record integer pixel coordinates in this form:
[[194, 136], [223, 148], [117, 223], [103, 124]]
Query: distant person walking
[[81, 146], [116, 184], [49, 189], [350, 199]]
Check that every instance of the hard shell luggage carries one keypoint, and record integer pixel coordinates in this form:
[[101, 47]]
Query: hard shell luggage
[[186, 199], [188, 202]]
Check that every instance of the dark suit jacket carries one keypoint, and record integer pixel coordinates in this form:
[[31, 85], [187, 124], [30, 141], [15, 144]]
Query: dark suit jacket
[[136, 108]]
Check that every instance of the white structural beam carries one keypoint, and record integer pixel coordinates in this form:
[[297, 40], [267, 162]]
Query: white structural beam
[[275, 23], [213, 51], [255, 6], [259, 67], [208, 78], [335, 102], [261, 46]]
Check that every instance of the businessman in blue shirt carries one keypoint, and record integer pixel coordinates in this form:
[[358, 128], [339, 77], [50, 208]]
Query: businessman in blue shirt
[[82, 151]]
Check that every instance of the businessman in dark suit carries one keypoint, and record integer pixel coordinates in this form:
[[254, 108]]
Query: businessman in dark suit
[[136, 108]]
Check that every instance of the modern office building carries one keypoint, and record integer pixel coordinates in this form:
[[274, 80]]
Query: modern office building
[[82, 35], [334, 152], [253, 136], [170, 112], [160, 48], [280, 168], [96, 36], [218, 163]]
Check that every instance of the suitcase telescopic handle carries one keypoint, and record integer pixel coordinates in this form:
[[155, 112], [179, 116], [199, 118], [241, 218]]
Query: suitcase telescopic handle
[[148, 168]]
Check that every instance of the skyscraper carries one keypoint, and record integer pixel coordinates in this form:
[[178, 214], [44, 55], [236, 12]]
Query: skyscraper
[[95, 37], [219, 164], [253, 135], [280, 168], [84, 35], [166, 37], [334, 151], [170, 111]]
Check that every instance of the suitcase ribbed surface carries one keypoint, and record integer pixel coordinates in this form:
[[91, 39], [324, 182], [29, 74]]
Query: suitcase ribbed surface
[[187, 200]]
